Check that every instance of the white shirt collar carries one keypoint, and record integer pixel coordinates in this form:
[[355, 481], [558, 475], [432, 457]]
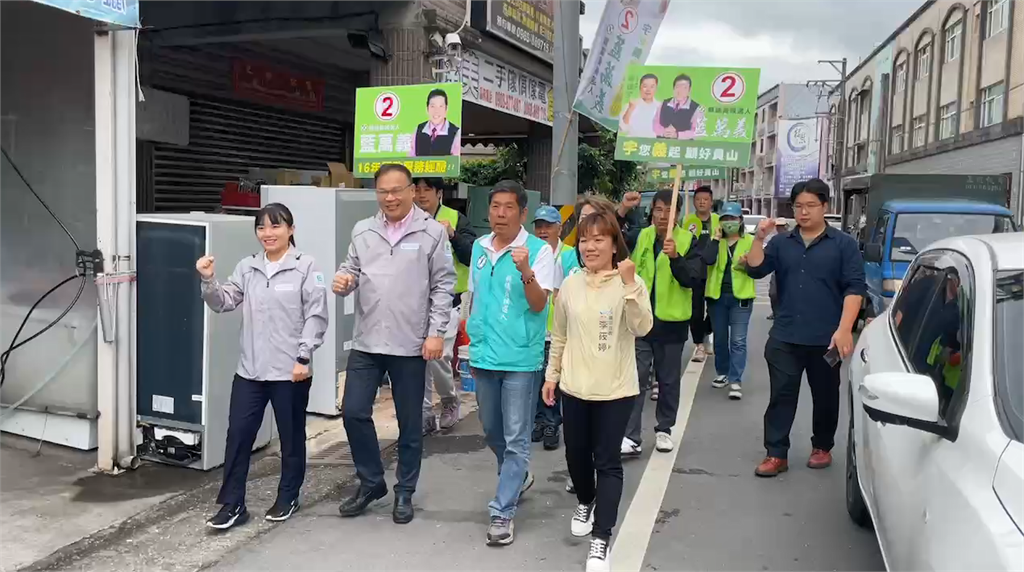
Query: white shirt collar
[[488, 241]]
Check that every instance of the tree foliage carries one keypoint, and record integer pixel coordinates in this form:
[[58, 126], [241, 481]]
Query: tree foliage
[[508, 163], [600, 172]]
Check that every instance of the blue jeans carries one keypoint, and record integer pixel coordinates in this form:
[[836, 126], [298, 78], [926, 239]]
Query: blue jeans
[[506, 402], [729, 321], [548, 415]]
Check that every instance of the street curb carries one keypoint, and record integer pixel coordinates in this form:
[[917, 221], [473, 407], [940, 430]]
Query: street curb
[[118, 534]]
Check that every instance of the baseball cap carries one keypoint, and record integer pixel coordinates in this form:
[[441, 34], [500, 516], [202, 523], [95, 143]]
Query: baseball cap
[[731, 209], [547, 213]]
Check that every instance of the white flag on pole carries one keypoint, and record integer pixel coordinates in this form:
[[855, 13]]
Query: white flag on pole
[[624, 37]]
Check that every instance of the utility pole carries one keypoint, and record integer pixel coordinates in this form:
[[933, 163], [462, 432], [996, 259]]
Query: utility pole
[[839, 120], [565, 131]]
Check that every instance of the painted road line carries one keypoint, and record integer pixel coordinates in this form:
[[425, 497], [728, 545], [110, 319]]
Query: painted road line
[[630, 544]]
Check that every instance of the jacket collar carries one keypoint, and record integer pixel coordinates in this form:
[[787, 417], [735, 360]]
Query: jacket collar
[[417, 221], [288, 262]]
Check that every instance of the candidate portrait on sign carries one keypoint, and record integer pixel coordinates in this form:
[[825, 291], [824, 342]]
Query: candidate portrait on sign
[[639, 119], [436, 137], [679, 115]]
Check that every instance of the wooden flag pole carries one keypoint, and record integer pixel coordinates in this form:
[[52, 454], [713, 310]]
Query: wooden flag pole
[[673, 208]]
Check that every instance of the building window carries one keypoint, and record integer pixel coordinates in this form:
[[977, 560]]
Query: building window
[[919, 134], [924, 61], [953, 41], [896, 140], [901, 76], [992, 104], [998, 17], [947, 121]]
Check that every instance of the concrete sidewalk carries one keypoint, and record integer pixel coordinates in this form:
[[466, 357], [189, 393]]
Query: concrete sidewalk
[[56, 514]]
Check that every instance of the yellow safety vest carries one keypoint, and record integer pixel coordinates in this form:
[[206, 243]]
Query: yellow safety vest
[[461, 271], [671, 301]]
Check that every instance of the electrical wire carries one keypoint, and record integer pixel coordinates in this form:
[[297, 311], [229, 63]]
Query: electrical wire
[[40, 199], [14, 341], [81, 287]]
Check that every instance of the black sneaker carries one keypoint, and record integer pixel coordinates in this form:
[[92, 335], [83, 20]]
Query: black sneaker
[[552, 438], [228, 516], [538, 433], [281, 511]]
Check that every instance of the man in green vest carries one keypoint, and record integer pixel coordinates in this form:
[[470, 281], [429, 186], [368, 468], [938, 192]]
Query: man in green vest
[[702, 224], [439, 371], [547, 226], [670, 267]]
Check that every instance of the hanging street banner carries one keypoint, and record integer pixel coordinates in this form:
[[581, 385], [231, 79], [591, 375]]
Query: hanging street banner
[[667, 173], [118, 12], [416, 125], [526, 24], [797, 155], [497, 85], [688, 115], [624, 37]]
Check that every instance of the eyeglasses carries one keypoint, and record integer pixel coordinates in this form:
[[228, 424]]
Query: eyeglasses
[[384, 193], [807, 207]]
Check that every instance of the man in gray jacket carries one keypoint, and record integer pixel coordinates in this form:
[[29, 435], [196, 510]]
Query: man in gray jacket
[[400, 268]]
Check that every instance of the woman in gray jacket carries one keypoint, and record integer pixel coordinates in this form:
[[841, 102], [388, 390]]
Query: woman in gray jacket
[[284, 316]]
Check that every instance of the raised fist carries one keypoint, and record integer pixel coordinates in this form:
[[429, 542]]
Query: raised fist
[[627, 271], [764, 227], [521, 256], [342, 283], [205, 267]]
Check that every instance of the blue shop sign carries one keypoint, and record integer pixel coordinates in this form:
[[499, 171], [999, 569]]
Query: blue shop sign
[[118, 12]]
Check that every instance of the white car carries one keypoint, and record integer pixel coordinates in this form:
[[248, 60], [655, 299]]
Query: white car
[[935, 459], [751, 222]]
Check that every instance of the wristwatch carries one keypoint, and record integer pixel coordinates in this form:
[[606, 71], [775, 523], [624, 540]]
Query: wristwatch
[[302, 361]]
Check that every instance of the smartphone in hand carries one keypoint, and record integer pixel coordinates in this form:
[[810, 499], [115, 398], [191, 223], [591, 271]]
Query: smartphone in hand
[[832, 357]]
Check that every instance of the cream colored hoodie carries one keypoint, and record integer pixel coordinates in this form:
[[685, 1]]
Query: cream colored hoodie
[[597, 321]]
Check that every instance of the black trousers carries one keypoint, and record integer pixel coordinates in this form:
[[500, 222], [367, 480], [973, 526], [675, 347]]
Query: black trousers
[[666, 359], [364, 374], [700, 321], [245, 416], [593, 436], [786, 366], [773, 294]]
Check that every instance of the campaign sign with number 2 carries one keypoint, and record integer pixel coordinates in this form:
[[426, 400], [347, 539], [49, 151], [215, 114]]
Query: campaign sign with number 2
[[688, 115], [419, 126]]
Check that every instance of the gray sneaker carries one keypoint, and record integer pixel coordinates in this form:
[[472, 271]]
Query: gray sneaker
[[528, 481], [449, 413], [429, 423], [501, 531]]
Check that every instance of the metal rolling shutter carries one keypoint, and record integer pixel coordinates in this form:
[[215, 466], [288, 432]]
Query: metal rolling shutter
[[226, 140]]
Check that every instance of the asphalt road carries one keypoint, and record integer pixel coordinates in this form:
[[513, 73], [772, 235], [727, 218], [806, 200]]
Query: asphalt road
[[701, 508]]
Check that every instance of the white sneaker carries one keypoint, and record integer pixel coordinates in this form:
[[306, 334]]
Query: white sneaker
[[709, 345], [630, 448], [719, 382], [700, 354], [582, 523], [597, 559], [663, 442], [735, 392]]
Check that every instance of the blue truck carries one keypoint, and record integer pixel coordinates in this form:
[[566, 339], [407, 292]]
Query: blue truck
[[902, 214]]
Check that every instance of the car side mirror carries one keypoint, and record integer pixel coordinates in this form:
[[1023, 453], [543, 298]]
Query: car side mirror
[[907, 399], [873, 253]]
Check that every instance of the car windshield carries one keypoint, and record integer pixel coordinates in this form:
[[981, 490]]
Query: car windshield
[[1009, 368], [751, 221], [915, 231]]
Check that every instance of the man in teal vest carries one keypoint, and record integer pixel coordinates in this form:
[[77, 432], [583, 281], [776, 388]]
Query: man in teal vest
[[730, 294], [670, 267], [511, 277], [702, 224], [439, 371]]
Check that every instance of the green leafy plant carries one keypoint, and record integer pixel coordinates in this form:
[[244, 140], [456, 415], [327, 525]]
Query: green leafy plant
[[600, 172], [508, 163]]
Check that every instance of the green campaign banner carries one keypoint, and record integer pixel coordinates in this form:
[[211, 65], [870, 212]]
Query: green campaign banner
[[418, 126], [681, 114], [667, 173]]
